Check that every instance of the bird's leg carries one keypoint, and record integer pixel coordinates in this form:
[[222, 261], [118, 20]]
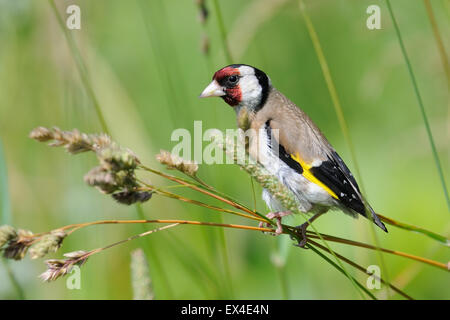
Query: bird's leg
[[302, 229], [277, 215]]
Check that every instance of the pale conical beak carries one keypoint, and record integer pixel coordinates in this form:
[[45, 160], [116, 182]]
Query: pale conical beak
[[212, 90]]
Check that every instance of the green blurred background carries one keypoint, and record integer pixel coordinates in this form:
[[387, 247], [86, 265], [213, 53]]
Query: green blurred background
[[147, 69]]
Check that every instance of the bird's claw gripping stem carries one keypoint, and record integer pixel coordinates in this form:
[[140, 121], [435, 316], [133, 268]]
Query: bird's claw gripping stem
[[301, 231], [276, 215]]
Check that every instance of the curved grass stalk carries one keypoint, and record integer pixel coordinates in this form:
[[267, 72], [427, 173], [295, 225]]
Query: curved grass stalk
[[209, 193], [199, 203], [77, 226], [175, 222]]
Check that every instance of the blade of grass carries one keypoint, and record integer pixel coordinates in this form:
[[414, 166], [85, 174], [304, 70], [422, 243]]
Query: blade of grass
[[394, 252], [405, 226], [357, 266], [342, 271], [6, 218], [410, 272], [331, 87], [420, 103]]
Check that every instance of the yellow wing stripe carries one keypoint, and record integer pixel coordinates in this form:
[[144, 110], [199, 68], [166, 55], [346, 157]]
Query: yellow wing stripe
[[308, 175]]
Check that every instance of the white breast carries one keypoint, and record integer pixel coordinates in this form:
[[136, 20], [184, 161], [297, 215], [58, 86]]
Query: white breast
[[308, 194]]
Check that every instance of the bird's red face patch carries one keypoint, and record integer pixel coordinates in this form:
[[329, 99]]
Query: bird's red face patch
[[232, 89]]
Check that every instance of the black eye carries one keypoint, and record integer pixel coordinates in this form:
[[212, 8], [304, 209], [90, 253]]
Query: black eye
[[232, 80]]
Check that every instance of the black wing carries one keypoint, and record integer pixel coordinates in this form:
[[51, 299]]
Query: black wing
[[334, 174], [337, 176]]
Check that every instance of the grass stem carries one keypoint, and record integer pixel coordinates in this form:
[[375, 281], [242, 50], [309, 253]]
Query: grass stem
[[420, 103]]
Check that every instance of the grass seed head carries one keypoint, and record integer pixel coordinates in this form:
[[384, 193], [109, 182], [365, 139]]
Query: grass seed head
[[7, 233], [174, 162], [131, 197], [17, 247], [48, 244], [59, 268]]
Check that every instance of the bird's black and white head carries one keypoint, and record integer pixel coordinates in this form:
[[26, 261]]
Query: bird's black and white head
[[239, 85]]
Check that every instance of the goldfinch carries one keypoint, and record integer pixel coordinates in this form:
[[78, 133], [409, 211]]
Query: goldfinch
[[290, 146]]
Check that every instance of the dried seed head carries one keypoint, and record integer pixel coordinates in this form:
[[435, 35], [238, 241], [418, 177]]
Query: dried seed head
[[77, 142], [175, 162], [115, 158], [101, 141], [7, 233], [18, 247], [48, 244], [41, 134], [55, 269], [104, 180], [130, 197], [116, 170], [58, 268], [74, 141], [75, 255]]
